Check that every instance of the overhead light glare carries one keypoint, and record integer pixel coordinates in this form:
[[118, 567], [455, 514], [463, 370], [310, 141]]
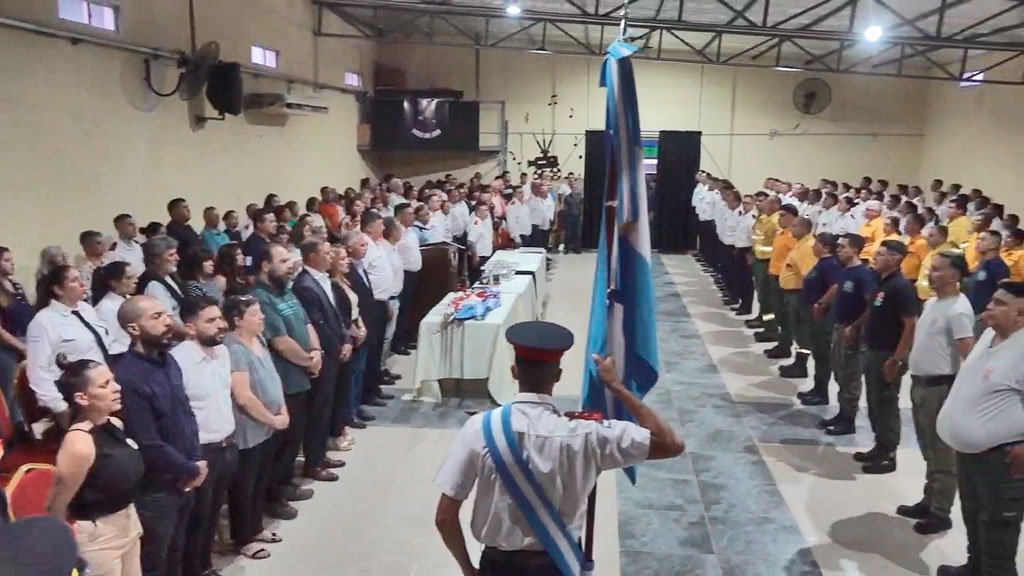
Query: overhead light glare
[[873, 33], [788, 69], [541, 50], [513, 9]]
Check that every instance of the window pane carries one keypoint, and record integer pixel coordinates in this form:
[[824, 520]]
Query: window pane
[[257, 55], [353, 79], [271, 58], [103, 17], [74, 10]]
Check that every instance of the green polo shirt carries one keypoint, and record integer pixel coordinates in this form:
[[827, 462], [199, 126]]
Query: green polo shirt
[[285, 317]]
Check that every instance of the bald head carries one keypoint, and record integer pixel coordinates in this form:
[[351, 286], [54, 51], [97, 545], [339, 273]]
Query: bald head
[[135, 308]]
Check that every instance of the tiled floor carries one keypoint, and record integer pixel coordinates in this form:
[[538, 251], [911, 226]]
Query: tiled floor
[[759, 492]]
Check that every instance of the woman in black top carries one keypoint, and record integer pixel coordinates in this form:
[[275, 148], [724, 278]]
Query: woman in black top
[[98, 472]]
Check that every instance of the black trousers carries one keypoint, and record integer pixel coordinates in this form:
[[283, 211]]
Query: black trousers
[[742, 277], [287, 453], [375, 328], [247, 495], [210, 496], [494, 562], [163, 513], [476, 270], [573, 233], [320, 405], [539, 237], [404, 333]]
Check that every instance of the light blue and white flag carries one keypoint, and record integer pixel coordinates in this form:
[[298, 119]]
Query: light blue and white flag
[[622, 323]]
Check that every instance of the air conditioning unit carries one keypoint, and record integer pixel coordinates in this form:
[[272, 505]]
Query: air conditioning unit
[[283, 104]]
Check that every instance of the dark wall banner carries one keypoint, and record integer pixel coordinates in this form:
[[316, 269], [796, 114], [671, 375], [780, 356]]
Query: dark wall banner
[[424, 124], [675, 228]]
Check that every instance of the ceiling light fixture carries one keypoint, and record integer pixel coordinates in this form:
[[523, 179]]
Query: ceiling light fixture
[[513, 9], [788, 69], [873, 33], [541, 50]]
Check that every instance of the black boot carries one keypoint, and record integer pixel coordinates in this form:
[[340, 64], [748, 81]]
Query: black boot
[[766, 336], [947, 570], [875, 453], [778, 353], [884, 464], [932, 524], [826, 422], [918, 511], [755, 323], [842, 427], [798, 369]]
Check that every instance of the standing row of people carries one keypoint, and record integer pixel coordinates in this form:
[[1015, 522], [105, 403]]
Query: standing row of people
[[871, 301]]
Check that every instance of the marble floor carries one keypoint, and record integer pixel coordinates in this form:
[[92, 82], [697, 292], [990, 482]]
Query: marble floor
[[759, 492]]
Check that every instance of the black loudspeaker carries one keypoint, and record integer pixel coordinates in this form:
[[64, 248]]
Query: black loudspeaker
[[595, 173], [675, 225], [224, 87]]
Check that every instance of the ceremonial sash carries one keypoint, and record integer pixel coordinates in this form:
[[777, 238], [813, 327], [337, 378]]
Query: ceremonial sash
[[528, 495]]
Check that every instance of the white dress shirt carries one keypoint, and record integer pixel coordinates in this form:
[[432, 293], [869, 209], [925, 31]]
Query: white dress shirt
[[743, 236], [565, 455], [549, 209], [517, 219], [812, 212], [847, 223], [440, 225], [106, 310], [129, 251], [160, 292], [323, 280], [697, 200], [395, 263], [827, 220], [481, 236], [730, 221], [409, 251], [206, 373], [538, 212], [377, 268], [459, 218], [55, 330]]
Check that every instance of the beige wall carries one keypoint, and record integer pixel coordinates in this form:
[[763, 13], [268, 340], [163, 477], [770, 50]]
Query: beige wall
[[84, 141], [976, 137], [874, 126]]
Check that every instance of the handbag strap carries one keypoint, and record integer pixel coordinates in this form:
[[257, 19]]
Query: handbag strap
[[527, 493]]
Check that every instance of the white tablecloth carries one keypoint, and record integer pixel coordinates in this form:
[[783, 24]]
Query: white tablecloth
[[533, 262], [477, 349]]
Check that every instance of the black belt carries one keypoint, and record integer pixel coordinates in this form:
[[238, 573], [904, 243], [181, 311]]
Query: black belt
[[519, 557], [229, 441], [940, 380]]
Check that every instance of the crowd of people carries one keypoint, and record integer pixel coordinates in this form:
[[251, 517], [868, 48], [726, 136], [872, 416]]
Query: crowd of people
[[873, 283], [190, 369]]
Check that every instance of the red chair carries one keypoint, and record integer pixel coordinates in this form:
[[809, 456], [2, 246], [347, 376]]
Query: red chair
[[17, 454], [29, 489], [26, 397]]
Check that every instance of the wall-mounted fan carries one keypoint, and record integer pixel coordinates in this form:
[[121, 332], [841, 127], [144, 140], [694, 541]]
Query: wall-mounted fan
[[812, 96], [195, 69]]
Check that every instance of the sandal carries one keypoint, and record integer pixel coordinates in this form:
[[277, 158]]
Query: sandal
[[268, 537], [254, 551]]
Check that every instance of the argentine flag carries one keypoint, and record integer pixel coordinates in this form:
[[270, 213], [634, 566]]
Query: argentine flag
[[622, 323]]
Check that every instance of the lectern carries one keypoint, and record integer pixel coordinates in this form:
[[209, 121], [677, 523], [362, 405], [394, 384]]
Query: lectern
[[441, 273]]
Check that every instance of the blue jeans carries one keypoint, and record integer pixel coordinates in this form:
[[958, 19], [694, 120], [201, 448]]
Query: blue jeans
[[8, 362], [357, 367]]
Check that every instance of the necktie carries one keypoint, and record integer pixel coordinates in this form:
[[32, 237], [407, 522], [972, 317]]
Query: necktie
[[95, 334]]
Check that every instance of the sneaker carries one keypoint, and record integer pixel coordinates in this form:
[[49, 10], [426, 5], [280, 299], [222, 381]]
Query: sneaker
[[918, 511]]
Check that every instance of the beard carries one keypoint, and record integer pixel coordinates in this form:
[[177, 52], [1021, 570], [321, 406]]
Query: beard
[[212, 340], [157, 342], [279, 281]]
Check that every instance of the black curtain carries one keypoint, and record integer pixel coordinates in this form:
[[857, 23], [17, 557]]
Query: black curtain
[[675, 225], [595, 171]]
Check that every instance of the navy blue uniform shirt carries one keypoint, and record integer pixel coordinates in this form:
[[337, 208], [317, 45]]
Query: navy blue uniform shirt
[[825, 274], [856, 285], [158, 416], [985, 281]]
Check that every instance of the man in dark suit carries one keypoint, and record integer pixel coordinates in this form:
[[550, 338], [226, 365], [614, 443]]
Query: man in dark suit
[[374, 315], [314, 290]]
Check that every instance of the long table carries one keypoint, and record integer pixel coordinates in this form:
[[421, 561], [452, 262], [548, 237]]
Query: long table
[[477, 349]]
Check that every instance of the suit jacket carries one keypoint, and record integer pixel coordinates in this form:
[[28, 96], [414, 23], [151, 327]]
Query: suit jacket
[[324, 316], [373, 313]]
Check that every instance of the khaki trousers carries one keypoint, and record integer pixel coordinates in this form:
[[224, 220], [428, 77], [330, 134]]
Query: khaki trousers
[[111, 544]]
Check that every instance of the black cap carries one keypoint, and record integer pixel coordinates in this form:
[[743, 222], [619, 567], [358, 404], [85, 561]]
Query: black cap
[[538, 341], [789, 209], [38, 546]]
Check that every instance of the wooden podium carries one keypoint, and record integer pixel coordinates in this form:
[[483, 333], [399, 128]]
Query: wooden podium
[[443, 269]]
